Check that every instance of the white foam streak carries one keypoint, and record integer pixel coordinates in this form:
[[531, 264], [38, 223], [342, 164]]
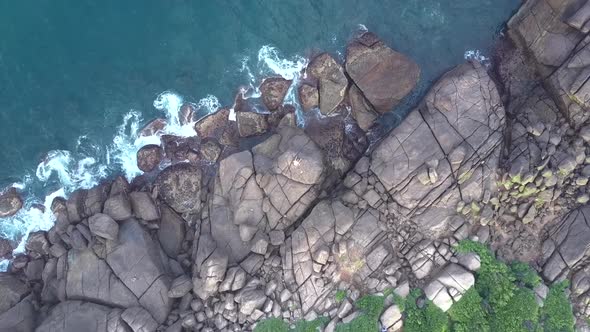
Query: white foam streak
[[269, 59]]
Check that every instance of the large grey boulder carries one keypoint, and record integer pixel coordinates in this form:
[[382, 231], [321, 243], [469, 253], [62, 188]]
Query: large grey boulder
[[12, 290], [171, 232], [104, 226], [454, 140], [332, 82], [76, 316], [136, 260], [20, 318], [89, 278]]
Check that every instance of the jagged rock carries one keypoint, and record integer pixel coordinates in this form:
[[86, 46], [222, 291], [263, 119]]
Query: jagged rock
[[153, 127], [361, 109], [143, 206], [5, 248], [460, 126], [213, 125], [180, 187], [273, 91], [250, 299], [383, 75], [12, 290], [118, 207], [309, 96], [136, 261], [251, 123], [332, 82], [210, 151], [75, 316], [212, 271], [10, 203], [180, 287], [104, 226], [139, 320], [89, 278], [37, 244], [149, 157], [19, 318], [570, 240], [171, 232]]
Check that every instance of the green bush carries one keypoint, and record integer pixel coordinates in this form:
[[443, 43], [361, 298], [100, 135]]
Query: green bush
[[556, 314], [520, 314], [525, 274], [272, 325], [311, 326], [495, 280], [371, 307], [340, 295], [427, 319], [468, 314]]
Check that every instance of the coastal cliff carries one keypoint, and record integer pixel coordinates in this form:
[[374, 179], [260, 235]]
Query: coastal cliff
[[257, 216]]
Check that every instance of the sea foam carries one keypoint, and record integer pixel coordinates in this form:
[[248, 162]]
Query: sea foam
[[62, 171]]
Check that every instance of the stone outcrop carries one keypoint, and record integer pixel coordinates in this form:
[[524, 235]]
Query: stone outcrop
[[383, 75], [10, 203]]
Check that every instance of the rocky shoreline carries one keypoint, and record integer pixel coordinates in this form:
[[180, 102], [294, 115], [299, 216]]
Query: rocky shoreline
[[256, 217]]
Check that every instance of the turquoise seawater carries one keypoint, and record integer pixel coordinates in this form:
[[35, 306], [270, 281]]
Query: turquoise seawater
[[72, 72]]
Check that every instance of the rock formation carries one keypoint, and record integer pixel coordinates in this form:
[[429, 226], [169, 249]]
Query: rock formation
[[257, 217]]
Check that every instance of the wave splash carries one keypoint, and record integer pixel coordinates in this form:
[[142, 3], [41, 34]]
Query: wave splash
[[61, 172]]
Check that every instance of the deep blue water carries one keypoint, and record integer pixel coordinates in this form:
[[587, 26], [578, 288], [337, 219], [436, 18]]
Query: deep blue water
[[72, 69]]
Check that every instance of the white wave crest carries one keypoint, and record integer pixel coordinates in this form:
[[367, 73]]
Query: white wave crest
[[270, 62], [477, 55]]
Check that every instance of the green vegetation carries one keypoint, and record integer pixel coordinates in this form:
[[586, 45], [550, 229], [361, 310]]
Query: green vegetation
[[311, 326], [371, 307], [520, 314], [502, 300], [556, 314], [468, 314], [340, 295], [272, 325], [429, 318]]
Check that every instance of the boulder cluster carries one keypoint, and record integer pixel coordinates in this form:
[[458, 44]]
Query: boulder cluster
[[255, 217]]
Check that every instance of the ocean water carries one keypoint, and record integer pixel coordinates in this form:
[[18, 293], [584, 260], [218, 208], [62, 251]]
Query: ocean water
[[80, 78]]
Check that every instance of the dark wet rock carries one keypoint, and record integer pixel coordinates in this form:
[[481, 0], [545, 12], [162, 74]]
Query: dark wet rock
[[309, 96], [104, 226], [120, 185], [10, 203], [139, 320], [137, 262], [144, 206], [20, 318], [75, 205], [118, 207], [37, 244], [274, 90], [341, 140], [178, 149], [186, 114], [210, 151], [5, 248], [75, 316], [331, 79], [153, 127], [34, 269], [12, 290], [213, 125], [383, 75], [251, 123], [149, 157], [180, 187], [171, 232], [94, 199], [91, 279]]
